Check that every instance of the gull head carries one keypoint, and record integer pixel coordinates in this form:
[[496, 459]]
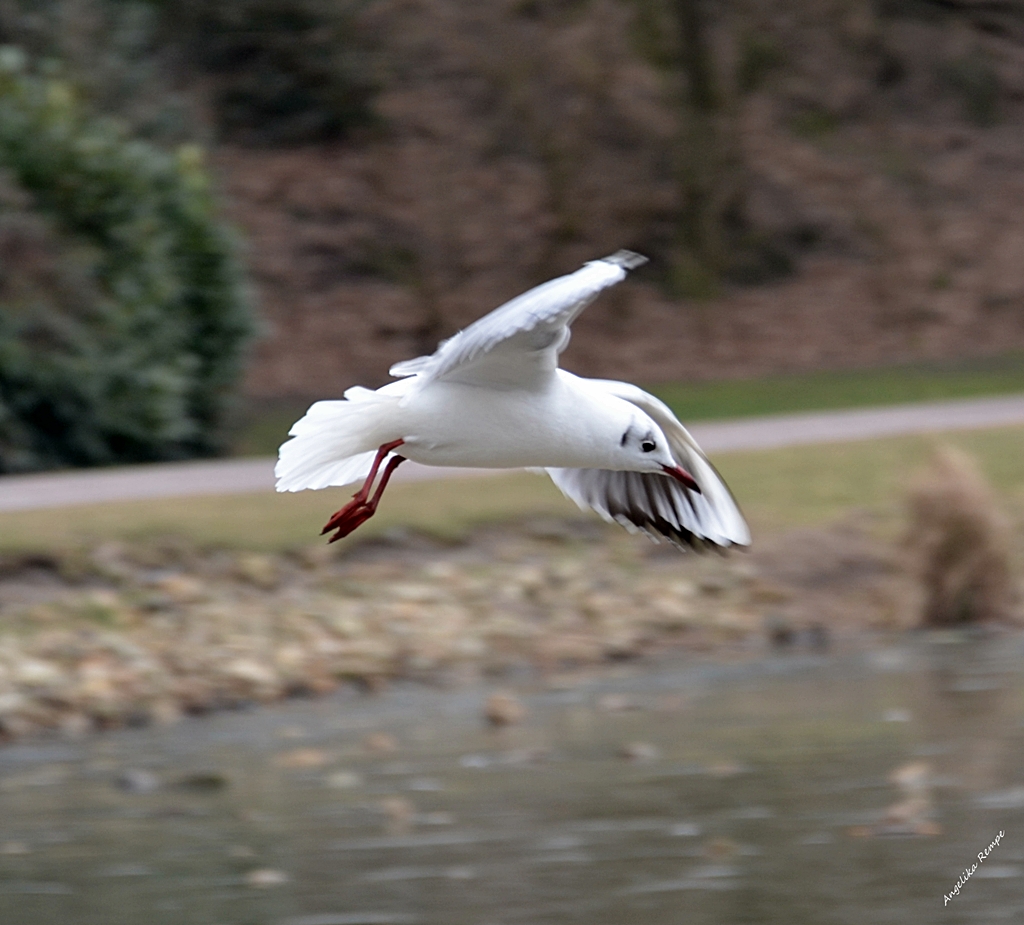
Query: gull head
[[643, 448]]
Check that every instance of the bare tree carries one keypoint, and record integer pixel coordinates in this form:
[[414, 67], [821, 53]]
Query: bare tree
[[709, 160]]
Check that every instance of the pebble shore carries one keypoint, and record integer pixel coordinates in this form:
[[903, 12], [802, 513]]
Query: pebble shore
[[134, 634]]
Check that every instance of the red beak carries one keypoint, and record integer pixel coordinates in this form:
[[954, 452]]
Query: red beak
[[681, 475]]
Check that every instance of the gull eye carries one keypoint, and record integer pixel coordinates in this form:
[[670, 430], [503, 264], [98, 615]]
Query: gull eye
[[648, 446]]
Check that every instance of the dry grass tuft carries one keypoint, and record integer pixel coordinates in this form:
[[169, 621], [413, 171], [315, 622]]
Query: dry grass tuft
[[960, 540]]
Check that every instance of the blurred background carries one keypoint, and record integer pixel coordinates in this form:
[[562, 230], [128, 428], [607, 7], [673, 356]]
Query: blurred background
[[486, 707]]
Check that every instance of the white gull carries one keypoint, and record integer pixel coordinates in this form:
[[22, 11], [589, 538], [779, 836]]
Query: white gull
[[492, 396]]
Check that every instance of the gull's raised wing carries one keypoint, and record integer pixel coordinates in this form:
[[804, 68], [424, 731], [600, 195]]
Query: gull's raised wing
[[657, 504], [517, 345]]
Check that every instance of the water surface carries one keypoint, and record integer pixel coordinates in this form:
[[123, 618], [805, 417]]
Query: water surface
[[756, 792]]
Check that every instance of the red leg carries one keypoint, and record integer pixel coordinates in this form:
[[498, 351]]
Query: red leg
[[362, 507]]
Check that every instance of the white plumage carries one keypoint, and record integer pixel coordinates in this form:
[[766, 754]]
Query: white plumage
[[492, 396]]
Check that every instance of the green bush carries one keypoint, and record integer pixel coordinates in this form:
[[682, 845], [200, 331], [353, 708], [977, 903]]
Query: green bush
[[123, 314], [111, 50], [264, 72]]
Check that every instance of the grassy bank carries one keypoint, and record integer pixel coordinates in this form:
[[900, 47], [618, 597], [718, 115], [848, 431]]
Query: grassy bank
[[778, 489], [834, 389]]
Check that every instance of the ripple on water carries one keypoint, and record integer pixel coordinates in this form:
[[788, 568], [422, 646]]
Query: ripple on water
[[559, 843], [439, 817], [998, 872], [753, 812], [35, 887], [818, 838], [707, 877], [684, 830], [125, 870], [419, 840], [353, 918], [1013, 798], [622, 825], [393, 874], [889, 660], [560, 849], [565, 857]]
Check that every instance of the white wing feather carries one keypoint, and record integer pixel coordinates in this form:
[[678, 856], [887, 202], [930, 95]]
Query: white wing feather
[[518, 343]]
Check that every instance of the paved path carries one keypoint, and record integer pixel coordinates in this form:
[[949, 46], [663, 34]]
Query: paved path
[[239, 476]]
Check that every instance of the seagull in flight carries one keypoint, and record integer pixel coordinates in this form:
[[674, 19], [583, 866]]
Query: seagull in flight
[[493, 396]]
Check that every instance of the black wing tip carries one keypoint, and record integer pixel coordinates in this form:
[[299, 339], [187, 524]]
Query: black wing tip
[[626, 259], [642, 511]]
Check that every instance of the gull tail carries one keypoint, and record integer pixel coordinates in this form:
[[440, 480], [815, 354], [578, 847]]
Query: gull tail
[[336, 441]]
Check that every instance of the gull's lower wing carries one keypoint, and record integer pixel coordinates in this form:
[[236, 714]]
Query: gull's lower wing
[[518, 343], [648, 502], [668, 509]]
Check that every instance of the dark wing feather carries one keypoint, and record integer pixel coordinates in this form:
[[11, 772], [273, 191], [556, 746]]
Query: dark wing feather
[[648, 502]]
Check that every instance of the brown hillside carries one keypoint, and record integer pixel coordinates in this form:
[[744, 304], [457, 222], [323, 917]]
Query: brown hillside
[[881, 158]]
